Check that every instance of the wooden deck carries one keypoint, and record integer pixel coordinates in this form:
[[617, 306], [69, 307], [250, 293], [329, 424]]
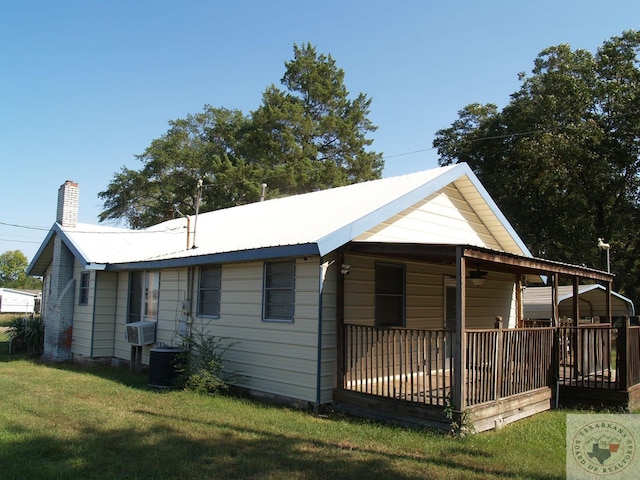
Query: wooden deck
[[508, 374]]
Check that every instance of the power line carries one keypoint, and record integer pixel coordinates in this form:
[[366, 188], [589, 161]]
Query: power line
[[17, 241], [29, 227]]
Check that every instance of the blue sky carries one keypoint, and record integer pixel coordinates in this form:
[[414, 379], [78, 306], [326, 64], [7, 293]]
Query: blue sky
[[86, 85]]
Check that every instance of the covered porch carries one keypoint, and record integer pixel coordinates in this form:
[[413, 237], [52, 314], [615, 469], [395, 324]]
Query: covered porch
[[492, 373]]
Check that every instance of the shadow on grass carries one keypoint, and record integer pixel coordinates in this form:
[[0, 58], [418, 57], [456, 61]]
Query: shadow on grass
[[223, 450]]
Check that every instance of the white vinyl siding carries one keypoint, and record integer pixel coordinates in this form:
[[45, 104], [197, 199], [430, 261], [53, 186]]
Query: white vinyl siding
[[104, 321], [424, 295], [444, 217], [278, 358]]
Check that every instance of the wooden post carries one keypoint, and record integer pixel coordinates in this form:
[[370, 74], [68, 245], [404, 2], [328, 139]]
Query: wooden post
[[576, 347], [459, 350], [623, 355], [519, 302], [555, 312], [499, 358]]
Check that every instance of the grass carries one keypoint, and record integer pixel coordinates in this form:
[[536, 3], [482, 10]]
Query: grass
[[72, 422], [7, 318]]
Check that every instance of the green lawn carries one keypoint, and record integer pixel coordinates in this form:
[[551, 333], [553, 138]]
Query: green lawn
[[69, 422]]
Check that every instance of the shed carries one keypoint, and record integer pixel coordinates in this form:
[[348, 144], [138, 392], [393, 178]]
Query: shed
[[537, 304], [17, 301]]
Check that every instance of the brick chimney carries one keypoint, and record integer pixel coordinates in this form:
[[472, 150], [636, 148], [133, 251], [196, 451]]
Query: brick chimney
[[59, 303], [68, 197]]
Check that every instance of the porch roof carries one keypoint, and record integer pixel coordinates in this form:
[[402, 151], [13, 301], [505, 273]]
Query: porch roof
[[481, 258]]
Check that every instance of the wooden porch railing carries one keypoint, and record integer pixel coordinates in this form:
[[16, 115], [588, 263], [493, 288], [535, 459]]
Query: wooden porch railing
[[502, 362], [405, 364], [416, 365], [587, 356]]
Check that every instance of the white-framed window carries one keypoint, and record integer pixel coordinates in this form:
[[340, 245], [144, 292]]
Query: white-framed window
[[279, 291], [83, 297], [210, 280], [390, 295], [144, 293]]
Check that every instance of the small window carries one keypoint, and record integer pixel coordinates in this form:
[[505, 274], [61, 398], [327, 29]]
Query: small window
[[390, 295], [279, 288], [84, 288], [209, 291]]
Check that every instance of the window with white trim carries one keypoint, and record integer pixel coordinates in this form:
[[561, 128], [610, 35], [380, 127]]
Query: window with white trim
[[209, 291], [83, 298], [144, 293], [279, 290], [390, 295]]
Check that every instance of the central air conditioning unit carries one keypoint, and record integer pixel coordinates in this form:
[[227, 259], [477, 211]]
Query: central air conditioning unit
[[141, 333]]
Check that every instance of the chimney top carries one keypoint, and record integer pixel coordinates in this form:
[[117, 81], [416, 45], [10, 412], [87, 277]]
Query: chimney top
[[68, 197]]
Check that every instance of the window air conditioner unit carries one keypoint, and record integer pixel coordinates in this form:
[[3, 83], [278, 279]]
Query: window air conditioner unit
[[141, 333]]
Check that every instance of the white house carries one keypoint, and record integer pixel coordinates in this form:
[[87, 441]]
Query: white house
[[17, 301], [296, 282]]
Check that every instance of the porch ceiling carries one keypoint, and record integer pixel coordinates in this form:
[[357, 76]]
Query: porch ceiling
[[478, 257]]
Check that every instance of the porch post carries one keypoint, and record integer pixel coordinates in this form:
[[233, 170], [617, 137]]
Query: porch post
[[459, 339], [608, 300], [577, 339], [555, 312], [576, 302], [623, 356]]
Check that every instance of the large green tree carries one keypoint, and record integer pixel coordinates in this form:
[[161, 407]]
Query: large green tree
[[307, 136], [561, 159], [311, 135]]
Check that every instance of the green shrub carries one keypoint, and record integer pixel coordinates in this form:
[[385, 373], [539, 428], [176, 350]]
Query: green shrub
[[202, 369], [26, 334]]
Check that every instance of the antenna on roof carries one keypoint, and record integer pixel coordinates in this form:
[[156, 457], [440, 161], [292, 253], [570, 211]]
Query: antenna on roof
[[195, 222]]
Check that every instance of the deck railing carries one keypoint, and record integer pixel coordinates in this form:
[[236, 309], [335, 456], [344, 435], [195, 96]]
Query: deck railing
[[587, 356], [417, 365], [501, 362], [405, 364]]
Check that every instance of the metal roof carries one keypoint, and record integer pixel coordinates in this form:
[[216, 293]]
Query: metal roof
[[537, 302], [312, 223]]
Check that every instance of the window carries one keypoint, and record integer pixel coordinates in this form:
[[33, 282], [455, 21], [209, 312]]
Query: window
[[279, 288], [209, 291], [144, 288], [390, 295], [84, 288]]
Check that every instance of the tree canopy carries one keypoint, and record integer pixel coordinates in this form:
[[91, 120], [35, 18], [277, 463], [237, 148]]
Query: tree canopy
[[306, 136], [13, 266], [561, 159]]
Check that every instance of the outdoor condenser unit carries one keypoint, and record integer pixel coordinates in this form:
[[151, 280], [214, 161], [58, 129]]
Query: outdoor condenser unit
[[141, 333]]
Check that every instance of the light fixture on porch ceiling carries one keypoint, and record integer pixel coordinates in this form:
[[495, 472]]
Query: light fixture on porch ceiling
[[478, 277]]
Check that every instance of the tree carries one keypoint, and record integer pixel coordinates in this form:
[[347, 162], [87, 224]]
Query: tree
[[311, 136], [561, 159], [307, 137], [13, 266]]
